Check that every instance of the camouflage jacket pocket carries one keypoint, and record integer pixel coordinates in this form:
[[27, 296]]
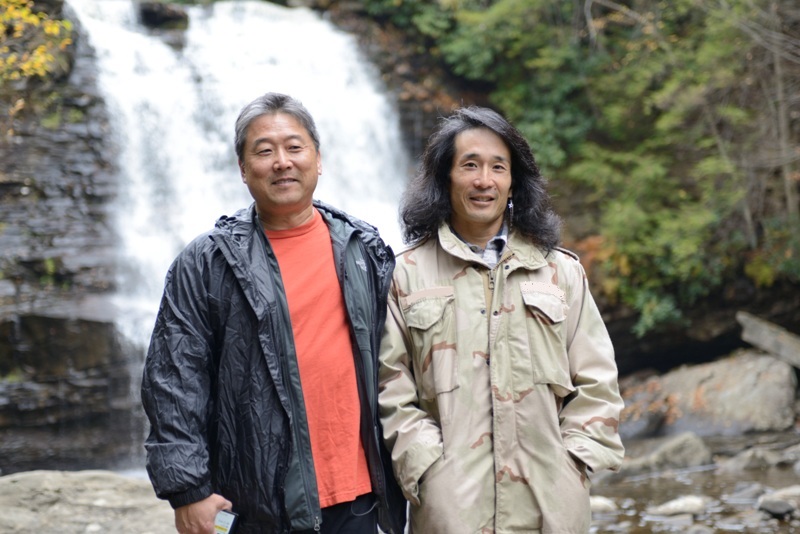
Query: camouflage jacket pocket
[[546, 313], [430, 317]]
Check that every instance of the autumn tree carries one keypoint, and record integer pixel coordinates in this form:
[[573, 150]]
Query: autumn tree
[[30, 45]]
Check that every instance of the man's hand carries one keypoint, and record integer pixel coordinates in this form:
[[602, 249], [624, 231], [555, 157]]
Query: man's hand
[[198, 517]]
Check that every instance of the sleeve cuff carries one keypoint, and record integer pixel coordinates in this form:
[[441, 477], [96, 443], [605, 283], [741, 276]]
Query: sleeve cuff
[[418, 459], [176, 500]]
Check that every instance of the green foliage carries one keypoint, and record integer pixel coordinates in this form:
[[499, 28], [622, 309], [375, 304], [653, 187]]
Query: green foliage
[[658, 228], [528, 51], [51, 121], [780, 255], [53, 114], [655, 309], [75, 116], [665, 178], [49, 269], [15, 376], [419, 17], [665, 112]]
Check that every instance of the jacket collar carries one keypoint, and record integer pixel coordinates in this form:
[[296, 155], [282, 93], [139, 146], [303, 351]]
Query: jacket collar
[[241, 227], [245, 221], [519, 250]]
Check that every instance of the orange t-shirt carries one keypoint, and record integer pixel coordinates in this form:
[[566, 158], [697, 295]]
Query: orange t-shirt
[[325, 358]]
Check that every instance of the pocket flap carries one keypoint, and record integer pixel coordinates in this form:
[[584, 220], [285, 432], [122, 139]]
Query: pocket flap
[[547, 298], [423, 309]]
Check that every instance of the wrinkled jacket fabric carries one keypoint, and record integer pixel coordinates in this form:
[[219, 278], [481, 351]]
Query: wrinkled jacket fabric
[[498, 388], [221, 387]]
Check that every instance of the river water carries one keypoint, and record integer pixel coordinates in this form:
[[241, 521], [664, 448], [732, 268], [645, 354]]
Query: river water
[[732, 496]]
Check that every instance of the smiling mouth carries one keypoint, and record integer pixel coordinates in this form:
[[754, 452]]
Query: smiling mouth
[[283, 181]]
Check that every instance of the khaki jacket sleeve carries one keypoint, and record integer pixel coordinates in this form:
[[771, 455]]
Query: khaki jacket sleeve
[[590, 417], [412, 436]]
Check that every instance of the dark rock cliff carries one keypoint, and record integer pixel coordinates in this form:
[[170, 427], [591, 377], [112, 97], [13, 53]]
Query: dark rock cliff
[[65, 373]]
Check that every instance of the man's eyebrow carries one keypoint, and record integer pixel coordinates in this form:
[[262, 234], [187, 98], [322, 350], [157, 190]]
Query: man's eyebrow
[[292, 137], [471, 155]]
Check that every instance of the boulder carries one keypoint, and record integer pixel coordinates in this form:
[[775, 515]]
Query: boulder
[[676, 452], [748, 391]]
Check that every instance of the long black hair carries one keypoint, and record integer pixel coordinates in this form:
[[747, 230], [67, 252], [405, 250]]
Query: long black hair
[[425, 204]]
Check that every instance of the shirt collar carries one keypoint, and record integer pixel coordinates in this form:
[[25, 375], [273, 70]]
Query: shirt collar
[[494, 248]]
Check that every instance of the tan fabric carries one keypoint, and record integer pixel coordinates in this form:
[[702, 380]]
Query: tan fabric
[[493, 383]]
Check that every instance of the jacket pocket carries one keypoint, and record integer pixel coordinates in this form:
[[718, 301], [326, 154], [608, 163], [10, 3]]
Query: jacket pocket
[[546, 311], [430, 317]]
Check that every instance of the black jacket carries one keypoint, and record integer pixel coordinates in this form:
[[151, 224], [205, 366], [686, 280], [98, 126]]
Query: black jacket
[[221, 387]]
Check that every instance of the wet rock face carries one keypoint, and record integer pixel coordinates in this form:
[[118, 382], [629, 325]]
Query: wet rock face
[[163, 16], [65, 377], [57, 183], [60, 370], [68, 395]]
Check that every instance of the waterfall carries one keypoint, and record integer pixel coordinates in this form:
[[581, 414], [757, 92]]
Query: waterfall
[[174, 97]]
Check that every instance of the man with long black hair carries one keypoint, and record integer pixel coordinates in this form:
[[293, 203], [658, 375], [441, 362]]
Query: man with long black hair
[[499, 391]]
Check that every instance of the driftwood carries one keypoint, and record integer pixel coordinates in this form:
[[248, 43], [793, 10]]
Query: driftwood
[[771, 338]]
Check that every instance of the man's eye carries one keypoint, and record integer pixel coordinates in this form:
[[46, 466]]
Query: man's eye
[[295, 148]]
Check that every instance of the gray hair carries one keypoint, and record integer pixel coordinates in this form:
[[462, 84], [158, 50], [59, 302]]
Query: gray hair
[[269, 104]]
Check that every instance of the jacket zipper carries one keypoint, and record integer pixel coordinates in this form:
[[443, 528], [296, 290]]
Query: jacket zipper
[[293, 407], [303, 463], [372, 446]]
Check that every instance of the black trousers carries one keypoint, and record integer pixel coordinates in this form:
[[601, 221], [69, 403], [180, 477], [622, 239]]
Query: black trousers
[[355, 517]]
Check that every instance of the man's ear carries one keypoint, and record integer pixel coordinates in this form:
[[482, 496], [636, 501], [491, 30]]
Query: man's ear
[[319, 163], [241, 170]]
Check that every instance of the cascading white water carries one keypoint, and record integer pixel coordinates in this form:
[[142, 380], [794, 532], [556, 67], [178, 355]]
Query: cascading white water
[[174, 107]]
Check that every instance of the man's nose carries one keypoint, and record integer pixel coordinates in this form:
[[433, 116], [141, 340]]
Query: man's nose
[[483, 179], [282, 159]]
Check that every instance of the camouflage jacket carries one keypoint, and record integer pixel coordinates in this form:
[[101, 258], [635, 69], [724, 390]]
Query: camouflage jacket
[[498, 389]]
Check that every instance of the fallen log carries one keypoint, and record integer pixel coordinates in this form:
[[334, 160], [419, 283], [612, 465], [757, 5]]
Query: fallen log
[[771, 338]]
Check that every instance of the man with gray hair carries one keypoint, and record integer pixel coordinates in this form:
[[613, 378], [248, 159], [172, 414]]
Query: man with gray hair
[[260, 381]]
